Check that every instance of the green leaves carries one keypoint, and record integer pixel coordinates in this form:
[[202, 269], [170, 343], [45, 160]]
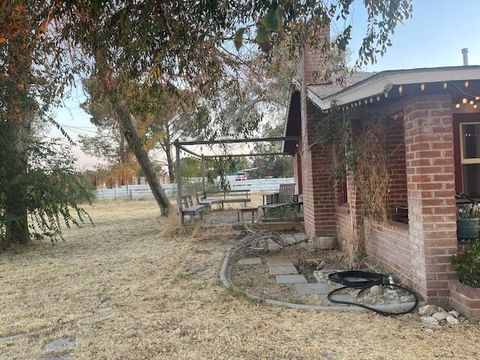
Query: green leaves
[[270, 23], [273, 20], [238, 38], [263, 38]]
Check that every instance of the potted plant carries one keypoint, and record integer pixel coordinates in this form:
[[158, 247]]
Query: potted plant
[[468, 223]]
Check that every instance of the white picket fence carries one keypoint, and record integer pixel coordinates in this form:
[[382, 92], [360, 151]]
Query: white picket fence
[[143, 191]]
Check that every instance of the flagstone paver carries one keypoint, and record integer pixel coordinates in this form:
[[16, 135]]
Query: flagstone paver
[[60, 344], [278, 261], [290, 279], [306, 289], [282, 270], [250, 261]]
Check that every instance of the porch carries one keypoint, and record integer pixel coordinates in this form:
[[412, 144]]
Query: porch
[[431, 148]]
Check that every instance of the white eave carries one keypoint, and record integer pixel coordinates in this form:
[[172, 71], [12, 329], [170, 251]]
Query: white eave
[[382, 82]]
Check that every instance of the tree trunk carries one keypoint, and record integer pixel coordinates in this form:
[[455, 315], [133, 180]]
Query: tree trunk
[[19, 109], [16, 214], [131, 135], [171, 174]]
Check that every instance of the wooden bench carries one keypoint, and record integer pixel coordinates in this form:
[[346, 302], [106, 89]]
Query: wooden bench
[[230, 197], [191, 210], [202, 200], [284, 198]]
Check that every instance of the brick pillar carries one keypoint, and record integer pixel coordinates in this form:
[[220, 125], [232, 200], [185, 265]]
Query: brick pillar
[[318, 188], [431, 194]]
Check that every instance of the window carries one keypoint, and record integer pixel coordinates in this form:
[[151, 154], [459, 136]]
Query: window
[[470, 157]]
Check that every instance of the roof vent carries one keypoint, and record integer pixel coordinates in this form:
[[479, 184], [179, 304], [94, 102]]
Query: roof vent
[[465, 56]]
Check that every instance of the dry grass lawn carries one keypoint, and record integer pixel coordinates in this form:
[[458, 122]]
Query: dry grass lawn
[[169, 303]]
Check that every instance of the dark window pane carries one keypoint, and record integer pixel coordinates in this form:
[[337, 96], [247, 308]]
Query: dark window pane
[[471, 180], [471, 141]]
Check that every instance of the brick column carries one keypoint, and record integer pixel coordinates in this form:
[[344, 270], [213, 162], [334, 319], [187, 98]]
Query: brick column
[[318, 188], [431, 194]]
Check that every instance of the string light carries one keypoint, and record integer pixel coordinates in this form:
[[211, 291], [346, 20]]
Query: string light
[[400, 89], [466, 84], [464, 100], [445, 85], [422, 87], [457, 106]]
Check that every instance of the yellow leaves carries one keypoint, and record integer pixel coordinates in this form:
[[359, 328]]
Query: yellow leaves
[[3, 39]]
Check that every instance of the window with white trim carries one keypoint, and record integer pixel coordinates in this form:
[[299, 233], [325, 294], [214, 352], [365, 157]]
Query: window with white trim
[[470, 157]]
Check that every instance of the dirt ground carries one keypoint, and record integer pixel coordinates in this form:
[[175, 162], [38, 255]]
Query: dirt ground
[[169, 304]]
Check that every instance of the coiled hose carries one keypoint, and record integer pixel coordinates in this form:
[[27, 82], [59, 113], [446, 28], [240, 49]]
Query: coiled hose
[[363, 280]]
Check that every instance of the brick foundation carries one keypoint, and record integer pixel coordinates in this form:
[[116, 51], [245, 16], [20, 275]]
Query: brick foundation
[[465, 299]]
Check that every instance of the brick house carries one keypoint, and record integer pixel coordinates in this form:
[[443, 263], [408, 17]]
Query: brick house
[[433, 129]]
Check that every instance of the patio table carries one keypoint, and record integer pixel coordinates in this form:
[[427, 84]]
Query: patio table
[[247, 209]]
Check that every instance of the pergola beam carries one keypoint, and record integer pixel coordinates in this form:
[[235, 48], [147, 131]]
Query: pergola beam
[[189, 151], [237, 141], [245, 155]]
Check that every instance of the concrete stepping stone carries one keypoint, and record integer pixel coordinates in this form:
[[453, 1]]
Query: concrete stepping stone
[[283, 270], [289, 239], [307, 289], [250, 261], [300, 237], [290, 279], [278, 261], [60, 345]]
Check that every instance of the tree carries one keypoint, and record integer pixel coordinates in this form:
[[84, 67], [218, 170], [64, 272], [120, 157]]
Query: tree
[[34, 70], [184, 43]]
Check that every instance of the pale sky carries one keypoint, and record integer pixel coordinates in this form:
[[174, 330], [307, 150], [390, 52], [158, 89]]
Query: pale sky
[[433, 37]]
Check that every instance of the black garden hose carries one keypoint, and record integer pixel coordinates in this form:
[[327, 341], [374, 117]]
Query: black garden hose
[[363, 280]]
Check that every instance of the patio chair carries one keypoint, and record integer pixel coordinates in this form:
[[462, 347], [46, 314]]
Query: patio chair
[[284, 198]]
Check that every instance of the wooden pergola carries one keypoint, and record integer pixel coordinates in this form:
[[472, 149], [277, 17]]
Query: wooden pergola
[[183, 146]]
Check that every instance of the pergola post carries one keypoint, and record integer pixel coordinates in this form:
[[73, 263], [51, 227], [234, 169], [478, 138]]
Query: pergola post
[[178, 175], [203, 174]]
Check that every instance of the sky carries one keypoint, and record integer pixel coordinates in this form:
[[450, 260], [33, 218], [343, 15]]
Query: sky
[[433, 36]]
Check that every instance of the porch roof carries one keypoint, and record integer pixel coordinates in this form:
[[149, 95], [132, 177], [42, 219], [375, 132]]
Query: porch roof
[[366, 85], [362, 88]]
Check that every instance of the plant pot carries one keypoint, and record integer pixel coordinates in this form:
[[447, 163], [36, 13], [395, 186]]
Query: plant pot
[[467, 229]]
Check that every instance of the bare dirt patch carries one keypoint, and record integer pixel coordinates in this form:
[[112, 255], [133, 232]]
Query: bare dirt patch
[[169, 303]]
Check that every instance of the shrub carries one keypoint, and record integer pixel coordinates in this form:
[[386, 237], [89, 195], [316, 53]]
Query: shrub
[[468, 265]]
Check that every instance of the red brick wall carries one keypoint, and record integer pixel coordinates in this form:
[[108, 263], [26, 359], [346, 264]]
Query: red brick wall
[[395, 148], [431, 194], [314, 64], [317, 185], [388, 245]]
